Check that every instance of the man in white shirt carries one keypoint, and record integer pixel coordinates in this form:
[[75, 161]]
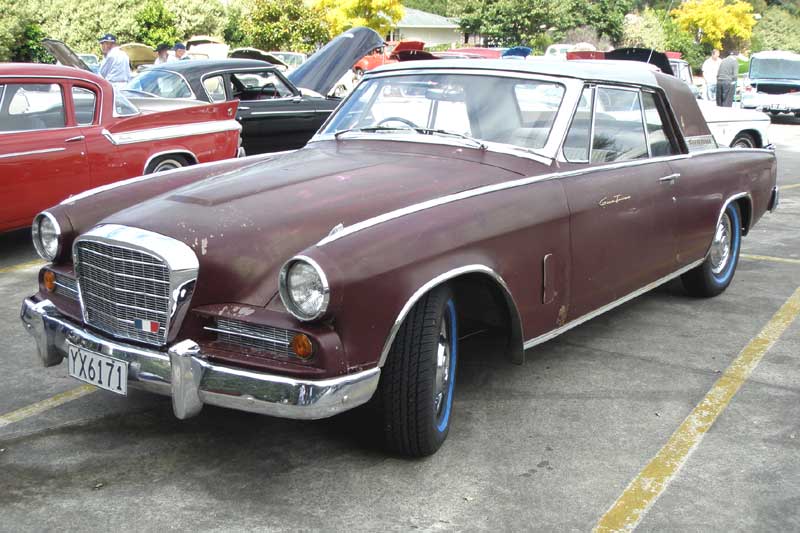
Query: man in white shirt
[[116, 66], [710, 70]]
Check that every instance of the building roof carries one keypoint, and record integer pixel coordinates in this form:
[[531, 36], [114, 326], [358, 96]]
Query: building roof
[[414, 18]]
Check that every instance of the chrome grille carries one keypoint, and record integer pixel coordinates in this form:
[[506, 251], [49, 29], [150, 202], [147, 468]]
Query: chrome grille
[[260, 337], [120, 286], [66, 287]]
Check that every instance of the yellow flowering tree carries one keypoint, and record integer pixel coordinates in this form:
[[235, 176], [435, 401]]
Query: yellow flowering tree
[[715, 21], [341, 15]]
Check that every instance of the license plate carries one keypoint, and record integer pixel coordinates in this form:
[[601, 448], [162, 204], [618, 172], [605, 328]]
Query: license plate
[[99, 370]]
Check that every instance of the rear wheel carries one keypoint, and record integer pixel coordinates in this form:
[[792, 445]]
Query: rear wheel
[[743, 140], [167, 162], [716, 273], [418, 379]]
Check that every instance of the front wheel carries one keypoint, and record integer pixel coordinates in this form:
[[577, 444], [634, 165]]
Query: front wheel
[[716, 273], [743, 140], [418, 379]]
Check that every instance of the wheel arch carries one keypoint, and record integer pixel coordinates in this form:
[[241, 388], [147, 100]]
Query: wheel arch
[[745, 203], [755, 134], [464, 280], [188, 154]]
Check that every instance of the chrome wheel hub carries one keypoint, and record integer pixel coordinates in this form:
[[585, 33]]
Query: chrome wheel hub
[[721, 247], [442, 381]]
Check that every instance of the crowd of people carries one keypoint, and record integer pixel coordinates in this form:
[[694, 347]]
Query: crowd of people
[[116, 66]]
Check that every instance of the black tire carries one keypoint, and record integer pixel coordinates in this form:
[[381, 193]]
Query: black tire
[[715, 275], [166, 162], [744, 140], [414, 424]]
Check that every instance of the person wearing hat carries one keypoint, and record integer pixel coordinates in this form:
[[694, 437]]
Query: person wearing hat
[[116, 66], [163, 54], [180, 52]]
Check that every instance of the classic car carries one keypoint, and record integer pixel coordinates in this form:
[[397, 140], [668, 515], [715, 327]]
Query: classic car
[[442, 199], [773, 83], [277, 111], [63, 131], [384, 54], [291, 59]]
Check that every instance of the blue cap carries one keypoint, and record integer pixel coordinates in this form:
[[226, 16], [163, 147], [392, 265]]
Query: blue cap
[[108, 38], [180, 46]]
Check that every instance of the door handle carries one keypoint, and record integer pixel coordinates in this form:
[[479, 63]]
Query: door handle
[[672, 178], [75, 139]]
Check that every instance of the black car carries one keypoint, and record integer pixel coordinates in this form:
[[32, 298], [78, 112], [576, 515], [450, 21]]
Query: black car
[[277, 111]]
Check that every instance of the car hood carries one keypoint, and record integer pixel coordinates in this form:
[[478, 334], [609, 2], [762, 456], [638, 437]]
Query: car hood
[[64, 54], [244, 225], [644, 55], [322, 70], [255, 53]]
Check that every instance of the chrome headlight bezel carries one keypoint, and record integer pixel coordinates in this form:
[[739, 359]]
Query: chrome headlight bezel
[[36, 235], [286, 293]]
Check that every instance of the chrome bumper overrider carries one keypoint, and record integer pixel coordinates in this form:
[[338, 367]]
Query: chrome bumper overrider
[[774, 199], [192, 381]]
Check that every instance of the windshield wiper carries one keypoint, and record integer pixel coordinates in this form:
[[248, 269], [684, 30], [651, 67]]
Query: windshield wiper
[[429, 131], [369, 130]]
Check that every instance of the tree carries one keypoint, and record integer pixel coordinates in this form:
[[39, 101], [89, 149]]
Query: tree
[[341, 15], [518, 22], [197, 17], [714, 21], [156, 24], [284, 25], [644, 31], [777, 30]]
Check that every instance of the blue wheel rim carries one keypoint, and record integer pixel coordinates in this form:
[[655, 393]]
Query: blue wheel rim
[[443, 417], [724, 276]]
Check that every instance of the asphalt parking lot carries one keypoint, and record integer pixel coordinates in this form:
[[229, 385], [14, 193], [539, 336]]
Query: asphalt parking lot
[[666, 406]]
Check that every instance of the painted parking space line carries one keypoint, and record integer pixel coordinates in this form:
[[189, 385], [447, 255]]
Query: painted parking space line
[[787, 187], [770, 258], [44, 405], [21, 266], [639, 496]]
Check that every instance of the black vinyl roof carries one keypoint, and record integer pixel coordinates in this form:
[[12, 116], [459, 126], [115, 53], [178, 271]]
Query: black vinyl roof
[[200, 66]]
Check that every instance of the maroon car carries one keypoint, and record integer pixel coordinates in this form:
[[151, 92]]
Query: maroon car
[[442, 198]]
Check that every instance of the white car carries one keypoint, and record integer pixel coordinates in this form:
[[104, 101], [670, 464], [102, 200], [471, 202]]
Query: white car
[[734, 127], [773, 83]]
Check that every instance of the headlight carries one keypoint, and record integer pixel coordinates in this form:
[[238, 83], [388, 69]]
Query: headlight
[[46, 236], [304, 288]]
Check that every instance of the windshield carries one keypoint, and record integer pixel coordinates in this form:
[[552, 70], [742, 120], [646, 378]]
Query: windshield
[[773, 68], [161, 83], [514, 111]]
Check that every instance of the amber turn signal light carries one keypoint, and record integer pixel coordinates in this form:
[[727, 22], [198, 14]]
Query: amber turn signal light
[[301, 346], [49, 280]]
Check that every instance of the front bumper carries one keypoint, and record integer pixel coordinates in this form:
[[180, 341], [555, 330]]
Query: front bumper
[[192, 381], [774, 199]]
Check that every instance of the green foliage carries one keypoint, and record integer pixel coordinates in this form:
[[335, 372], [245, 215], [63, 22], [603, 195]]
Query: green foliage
[[777, 30], [644, 31], [232, 31], [29, 49], [155, 24], [445, 8], [283, 25], [716, 22], [197, 17]]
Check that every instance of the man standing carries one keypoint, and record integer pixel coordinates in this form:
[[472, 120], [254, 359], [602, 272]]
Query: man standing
[[710, 71], [116, 66], [163, 54], [726, 79]]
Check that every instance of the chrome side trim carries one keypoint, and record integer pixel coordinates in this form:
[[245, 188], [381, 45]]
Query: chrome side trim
[[32, 152], [184, 373], [169, 152], [588, 316], [171, 132], [438, 280], [289, 112], [479, 191]]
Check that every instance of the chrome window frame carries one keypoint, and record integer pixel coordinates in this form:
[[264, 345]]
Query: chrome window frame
[[629, 88], [228, 71], [95, 116]]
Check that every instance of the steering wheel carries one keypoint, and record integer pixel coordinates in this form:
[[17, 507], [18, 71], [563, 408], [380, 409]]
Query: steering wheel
[[398, 119]]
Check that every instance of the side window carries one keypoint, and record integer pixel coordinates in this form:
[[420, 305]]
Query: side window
[[618, 129], [256, 85], [84, 101], [660, 144], [215, 87], [32, 106], [576, 145]]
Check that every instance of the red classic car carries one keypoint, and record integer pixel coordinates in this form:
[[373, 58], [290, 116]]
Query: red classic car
[[441, 199], [63, 131], [385, 55]]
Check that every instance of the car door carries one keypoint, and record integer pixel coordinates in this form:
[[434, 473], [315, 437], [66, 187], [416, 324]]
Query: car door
[[42, 152], [621, 203], [273, 116]]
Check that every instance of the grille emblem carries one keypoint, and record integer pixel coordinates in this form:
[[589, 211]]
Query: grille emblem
[[149, 326]]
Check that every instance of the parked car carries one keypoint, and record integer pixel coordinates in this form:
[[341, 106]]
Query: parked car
[[384, 54], [91, 61], [773, 83], [440, 200], [291, 59], [64, 131], [277, 112]]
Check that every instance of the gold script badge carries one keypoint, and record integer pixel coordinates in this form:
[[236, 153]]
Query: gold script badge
[[617, 198]]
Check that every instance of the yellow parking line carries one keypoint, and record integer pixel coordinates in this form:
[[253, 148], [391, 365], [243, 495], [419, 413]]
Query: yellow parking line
[[21, 266], [770, 258], [44, 405], [644, 490], [787, 187]]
